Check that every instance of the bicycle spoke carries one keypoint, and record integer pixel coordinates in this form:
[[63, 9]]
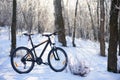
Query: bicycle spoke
[[51, 56], [15, 64], [22, 61], [57, 60], [64, 62]]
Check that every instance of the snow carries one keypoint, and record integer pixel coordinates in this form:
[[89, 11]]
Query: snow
[[86, 53]]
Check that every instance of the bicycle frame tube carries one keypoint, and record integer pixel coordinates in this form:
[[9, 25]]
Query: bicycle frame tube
[[35, 46], [48, 42], [32, 45]]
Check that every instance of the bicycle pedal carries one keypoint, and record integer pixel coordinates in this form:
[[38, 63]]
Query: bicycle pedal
[[45, 63]]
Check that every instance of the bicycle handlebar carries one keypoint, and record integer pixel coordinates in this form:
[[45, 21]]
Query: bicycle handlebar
[[48, 35]]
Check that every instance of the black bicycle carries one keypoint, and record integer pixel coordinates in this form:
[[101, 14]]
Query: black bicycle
[[23, 58]]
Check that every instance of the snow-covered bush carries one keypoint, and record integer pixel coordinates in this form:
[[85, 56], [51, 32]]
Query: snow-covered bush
[[78, 67]]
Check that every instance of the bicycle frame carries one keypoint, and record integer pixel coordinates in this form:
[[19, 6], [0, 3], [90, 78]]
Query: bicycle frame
[[35, 46]]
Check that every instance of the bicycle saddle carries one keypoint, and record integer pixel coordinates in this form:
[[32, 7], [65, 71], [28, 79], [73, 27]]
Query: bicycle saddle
[[27, 34]]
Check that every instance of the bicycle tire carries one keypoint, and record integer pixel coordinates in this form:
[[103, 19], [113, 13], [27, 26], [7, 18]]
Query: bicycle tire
[[17, 54], [54, 64]]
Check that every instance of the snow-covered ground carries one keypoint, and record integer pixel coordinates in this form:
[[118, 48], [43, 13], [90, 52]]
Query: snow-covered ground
[[87, 52]]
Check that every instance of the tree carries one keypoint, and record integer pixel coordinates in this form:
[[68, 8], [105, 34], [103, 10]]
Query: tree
[[119, 33], [112, 50], [67, 19], [29, 16], [102, 21], [59, 22], [13, 27], [119, 30], [92, 21], [98, 19], [74, 29]]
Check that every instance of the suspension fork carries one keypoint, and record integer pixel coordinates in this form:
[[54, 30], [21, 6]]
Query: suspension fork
[[55, 54]]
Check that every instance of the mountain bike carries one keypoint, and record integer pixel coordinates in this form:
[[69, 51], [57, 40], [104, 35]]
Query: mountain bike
[[23, 59]]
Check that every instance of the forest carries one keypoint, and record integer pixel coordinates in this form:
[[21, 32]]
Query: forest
[[94, 20], [39, 16]]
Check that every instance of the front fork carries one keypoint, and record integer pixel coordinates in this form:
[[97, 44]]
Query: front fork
[[55, 53]]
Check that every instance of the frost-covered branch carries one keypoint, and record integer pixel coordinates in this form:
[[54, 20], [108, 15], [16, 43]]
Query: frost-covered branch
[[117, 7]]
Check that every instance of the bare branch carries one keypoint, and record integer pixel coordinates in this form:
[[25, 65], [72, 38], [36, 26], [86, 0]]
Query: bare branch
[[117, 7]]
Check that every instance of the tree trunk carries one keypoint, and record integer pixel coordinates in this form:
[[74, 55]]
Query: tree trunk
[[74, 29], [59, 22], [98, 18], [13, 27], [119, 32], [107, 20], [68, 22], [102, 21], [92, 21], [112, 50]]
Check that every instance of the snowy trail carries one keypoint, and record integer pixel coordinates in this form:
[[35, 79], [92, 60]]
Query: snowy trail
[[42, 72], [39, 72], [86, 50]]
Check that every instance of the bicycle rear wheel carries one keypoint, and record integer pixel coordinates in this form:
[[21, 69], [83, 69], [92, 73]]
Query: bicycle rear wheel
[[22, 60], [57, 59]]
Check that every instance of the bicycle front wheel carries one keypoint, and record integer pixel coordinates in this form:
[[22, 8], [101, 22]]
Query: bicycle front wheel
[[57, 59], [22, 60]]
